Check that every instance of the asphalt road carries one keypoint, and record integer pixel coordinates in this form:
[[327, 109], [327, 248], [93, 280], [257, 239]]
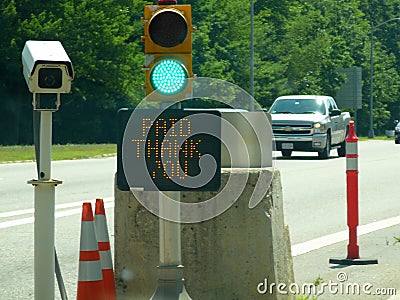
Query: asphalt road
[[83, 180], [315, 209], [315, 190], [314, 204]]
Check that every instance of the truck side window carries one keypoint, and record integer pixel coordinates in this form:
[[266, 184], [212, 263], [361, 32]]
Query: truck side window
[[331, 105]]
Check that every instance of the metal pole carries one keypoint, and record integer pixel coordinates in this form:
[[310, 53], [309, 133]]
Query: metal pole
[[371, 95], [170, 276], [252, 54], [45, 145], [170, 270], [170, 238], [60, 280], [44, 232]]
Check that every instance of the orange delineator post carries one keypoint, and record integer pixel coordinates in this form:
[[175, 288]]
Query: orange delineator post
[[103, 241], [353, 255], [352, 191], [90, 279]]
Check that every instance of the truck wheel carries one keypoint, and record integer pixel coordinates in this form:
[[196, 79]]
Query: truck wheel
[[286, 153], [342, 150], [397, 141], [326, 152]]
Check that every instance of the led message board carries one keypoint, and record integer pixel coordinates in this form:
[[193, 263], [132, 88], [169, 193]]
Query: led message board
[[172, 150]]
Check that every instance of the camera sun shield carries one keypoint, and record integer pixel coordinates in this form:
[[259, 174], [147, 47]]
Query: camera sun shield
[[47, 67]]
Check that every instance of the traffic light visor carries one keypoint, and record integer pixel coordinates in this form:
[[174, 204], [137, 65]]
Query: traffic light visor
[[168, 28], [168, 77]]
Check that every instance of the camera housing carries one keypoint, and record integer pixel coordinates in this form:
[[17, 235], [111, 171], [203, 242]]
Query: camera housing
[[47, 67]]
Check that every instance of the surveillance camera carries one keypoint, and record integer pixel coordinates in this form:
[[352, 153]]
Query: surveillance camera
[[47, 67]]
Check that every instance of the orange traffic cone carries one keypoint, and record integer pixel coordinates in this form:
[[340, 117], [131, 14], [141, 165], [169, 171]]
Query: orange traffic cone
[[90, 280], [103, 241]]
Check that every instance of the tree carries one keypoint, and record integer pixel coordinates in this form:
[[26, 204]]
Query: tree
[[298, 47], [108, 76]]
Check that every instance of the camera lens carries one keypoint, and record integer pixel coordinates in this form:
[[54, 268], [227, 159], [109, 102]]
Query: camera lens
[[50, 78]]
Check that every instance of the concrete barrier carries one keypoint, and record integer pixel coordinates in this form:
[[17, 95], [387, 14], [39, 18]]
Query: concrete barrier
[[225, 257]]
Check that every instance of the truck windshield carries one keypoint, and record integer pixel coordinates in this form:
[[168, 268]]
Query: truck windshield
[[298, 106]]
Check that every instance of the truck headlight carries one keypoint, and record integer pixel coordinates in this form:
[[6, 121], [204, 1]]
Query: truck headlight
[[319, 128]]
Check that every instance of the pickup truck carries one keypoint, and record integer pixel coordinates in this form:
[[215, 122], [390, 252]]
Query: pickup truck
[[309, 123]]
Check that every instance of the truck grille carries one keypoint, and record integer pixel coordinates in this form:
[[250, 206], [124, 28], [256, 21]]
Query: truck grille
[[292, 129]]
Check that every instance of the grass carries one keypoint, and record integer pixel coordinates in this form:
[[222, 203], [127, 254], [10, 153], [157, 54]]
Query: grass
[[59, 152], [379, 138], [317, 281]]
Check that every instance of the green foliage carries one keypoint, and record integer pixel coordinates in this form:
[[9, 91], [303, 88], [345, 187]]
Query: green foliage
[[298, 45]]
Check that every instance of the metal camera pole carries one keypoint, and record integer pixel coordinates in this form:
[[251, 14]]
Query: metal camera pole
[[44, 202], [48, 72]]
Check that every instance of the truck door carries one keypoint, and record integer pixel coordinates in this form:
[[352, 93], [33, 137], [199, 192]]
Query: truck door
[[335, 121]]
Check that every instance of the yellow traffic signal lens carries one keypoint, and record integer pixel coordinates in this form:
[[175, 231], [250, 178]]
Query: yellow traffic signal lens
[[168, 77]]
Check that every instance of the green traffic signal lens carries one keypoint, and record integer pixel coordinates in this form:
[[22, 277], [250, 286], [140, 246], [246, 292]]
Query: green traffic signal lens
[[168, 77]]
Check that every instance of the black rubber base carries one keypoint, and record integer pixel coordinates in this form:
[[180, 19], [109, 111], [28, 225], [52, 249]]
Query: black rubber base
[[353, 261]]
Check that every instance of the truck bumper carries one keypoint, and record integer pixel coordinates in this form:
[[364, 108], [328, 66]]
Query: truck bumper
[[311, 143]]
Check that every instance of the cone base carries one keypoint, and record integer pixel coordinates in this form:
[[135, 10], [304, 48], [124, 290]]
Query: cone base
[[90, 290], [353, 261], [109, 284]]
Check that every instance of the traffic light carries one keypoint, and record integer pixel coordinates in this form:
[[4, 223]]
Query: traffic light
[[168, 50]]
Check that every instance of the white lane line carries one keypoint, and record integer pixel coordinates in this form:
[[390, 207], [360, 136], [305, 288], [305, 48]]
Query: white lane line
[[14, 213], [341, 236], [59, 214], [58, 206], [13, 223], [297, 249]]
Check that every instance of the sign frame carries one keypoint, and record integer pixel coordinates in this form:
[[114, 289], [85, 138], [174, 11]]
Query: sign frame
[[169, 150]]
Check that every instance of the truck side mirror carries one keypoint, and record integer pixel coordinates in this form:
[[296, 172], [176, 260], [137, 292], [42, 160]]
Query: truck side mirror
[[335, 112]]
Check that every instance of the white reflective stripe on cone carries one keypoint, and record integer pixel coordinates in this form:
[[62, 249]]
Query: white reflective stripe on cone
[[351, 164], [101, 228], [106, 261], [90, 271], [88, 236], [351, 148]]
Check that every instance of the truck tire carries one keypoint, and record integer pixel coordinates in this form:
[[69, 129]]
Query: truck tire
[[342, 150], [326, 152], [286, 153]]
